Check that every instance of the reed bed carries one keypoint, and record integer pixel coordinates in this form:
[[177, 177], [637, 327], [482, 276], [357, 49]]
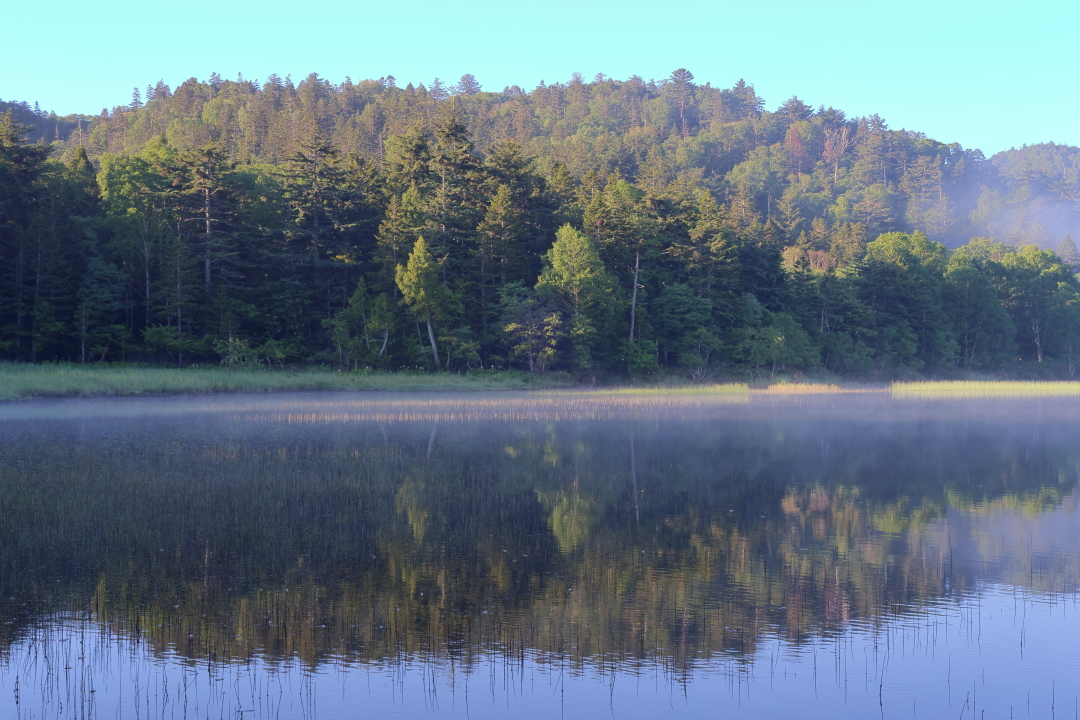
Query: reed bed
[[664, 390], [21, 381], [973, 389], [813, 389]]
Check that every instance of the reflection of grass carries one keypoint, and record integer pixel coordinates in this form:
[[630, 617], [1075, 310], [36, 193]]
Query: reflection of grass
[[24, 381], [519, 407], [983, 389], [1031, 503], [695, 390], [812, 389]]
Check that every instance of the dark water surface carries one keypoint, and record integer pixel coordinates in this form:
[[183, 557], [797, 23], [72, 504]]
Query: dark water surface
[[537, 556]]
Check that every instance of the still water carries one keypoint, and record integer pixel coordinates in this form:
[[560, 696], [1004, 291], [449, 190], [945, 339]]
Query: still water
[[539, 555]]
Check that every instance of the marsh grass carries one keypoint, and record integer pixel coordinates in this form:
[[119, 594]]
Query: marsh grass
[[812, 389], [664, 390], [23, 381], [972, 389]]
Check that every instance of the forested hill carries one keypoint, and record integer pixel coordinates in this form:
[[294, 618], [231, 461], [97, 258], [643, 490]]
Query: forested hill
[[796, 163], [591, 226], [44, 127]]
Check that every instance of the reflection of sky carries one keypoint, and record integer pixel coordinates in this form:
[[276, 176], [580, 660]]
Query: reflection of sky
[[1000, 651], [1015, 546]]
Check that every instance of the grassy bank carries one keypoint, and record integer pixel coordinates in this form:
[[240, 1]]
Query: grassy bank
[[22, 381], [936, 389], [960, 389]]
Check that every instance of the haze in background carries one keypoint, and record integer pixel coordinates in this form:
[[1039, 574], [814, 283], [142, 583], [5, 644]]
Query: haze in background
[[960, 72]]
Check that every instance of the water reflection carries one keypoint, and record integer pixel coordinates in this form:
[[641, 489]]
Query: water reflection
[[696, 545]]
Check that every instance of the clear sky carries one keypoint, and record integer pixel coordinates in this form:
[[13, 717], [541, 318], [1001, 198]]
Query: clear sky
[[986, 75]]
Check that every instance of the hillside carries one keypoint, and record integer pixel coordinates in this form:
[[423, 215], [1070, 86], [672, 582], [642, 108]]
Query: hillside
[[699, 231]]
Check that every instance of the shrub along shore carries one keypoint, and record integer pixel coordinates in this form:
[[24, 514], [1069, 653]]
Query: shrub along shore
[[19, 381]]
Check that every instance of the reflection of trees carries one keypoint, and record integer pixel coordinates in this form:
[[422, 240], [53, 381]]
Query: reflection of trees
[[521, 538]]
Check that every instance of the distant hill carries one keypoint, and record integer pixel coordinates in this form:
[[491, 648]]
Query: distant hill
[[47, 126], [797, 163]]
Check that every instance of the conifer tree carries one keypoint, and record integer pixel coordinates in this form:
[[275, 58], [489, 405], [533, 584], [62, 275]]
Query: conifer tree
[[420, 287]]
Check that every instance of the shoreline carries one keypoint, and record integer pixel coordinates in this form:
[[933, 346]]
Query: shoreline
[[24, 383], [21, 383]]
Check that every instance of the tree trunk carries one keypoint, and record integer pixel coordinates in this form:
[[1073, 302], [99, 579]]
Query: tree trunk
[[146, 268], [483, 292], [37, 299], [209, 239], [179, 315], [633, 300], [19, 268], [633, 478], [431, 336]]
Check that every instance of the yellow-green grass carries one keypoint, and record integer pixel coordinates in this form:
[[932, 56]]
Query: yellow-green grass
[[984, 389], [664, 390], [21, 381], [812, 389]]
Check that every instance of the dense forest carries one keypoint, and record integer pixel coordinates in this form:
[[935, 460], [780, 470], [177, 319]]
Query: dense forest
[[607, 227]]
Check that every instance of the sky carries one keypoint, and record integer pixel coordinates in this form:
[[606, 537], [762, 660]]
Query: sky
[[987, 75]]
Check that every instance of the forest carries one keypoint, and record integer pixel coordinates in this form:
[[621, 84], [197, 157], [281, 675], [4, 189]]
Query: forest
[[606, 227]]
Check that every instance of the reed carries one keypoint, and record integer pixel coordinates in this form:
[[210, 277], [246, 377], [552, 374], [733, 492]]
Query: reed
[[972, 389], [813, 389], [663, 390]]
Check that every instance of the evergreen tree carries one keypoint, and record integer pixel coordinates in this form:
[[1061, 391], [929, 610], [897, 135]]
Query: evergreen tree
[[576, 275], [498, 250], [420, 287], [682, 89]]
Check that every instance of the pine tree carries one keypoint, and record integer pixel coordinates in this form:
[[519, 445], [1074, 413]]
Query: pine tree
[[201, 179], [682, 86], [397, 234], [1066, 250]]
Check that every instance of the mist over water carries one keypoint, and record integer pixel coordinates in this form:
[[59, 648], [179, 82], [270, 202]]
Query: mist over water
[[479, 555]]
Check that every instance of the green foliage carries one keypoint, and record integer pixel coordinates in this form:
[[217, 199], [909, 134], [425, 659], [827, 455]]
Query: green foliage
[[1030, 288], [779, 344], [681, 318], [419, 284], [983, 330], [902, 279], [575, 274], [606, 226], [534, 330], [361, 330]]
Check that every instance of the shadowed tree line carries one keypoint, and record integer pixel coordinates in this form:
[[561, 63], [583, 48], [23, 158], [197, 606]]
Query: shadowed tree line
[[606, 226]]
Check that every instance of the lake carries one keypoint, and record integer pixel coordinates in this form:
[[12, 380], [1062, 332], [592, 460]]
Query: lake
[[539, 555]]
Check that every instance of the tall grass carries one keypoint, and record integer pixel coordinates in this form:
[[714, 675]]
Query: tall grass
[[813, 389], [19, 381], [969, 389], [693, 390]]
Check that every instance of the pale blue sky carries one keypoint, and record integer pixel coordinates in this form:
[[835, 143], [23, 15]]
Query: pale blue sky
[[989, 76]]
